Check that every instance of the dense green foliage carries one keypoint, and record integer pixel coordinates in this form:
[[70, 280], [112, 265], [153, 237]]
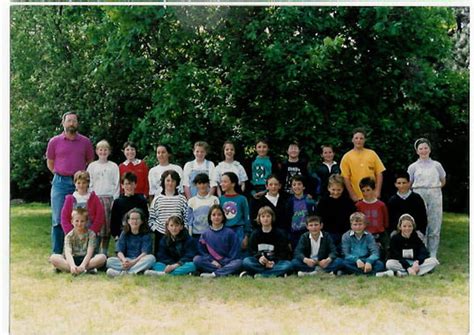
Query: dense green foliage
[[181, 74]]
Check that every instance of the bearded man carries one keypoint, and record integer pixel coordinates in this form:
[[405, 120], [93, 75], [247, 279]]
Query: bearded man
[[66, 154]]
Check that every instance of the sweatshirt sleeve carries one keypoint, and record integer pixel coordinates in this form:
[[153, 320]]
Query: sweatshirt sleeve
[[373, 249], [246, 216], [299, 253], [66, 214], [98, 215], [346, 248], [115, 220], [163, 255], [190, 250], [385, 217]]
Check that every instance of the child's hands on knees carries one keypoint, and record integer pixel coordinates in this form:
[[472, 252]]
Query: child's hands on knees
[[269, 264], [216, 264], [263, 260], [73, 270], [367, 268], [310, 262], [324, 262], [126, 264]]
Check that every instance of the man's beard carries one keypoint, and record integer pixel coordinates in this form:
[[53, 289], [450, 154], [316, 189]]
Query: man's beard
[[71, 130]]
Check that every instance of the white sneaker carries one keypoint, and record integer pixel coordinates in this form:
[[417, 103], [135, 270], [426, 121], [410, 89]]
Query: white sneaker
[[154, 273], [304, 274], [208, 275], [244, 274], [388, 273], [92, 271], [401, 274], [113, 273]]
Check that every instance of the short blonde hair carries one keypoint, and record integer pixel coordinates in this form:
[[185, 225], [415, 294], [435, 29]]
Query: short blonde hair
[[336, 179], [201, 144], [357, 216], [103, 144], [82, 175], [265, 210], [80, 212]]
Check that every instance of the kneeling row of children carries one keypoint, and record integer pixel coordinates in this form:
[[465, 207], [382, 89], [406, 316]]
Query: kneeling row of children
[[217, 253]]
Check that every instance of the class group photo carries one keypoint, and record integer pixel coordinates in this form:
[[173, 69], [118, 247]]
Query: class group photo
[[220, 169]]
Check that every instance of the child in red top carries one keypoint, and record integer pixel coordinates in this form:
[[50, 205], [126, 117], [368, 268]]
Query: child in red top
[[376, 213], [82, 198], [137, 166]]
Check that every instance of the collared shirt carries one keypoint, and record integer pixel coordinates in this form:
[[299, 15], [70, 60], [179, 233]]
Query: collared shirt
[[69, 156], [404, 196], [315, 244], [272, 199], [136, 161], [364, 247]]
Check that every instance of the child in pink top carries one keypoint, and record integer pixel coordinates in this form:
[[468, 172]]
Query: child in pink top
[[81, 198]]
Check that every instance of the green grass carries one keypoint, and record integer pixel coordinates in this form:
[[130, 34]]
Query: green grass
[[43, 302]]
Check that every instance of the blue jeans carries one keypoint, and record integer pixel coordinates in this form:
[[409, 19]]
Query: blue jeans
[[351, 267], [184, 269], [204, 264], [252, 265], [299, 265], [143, 264], [60, 187]]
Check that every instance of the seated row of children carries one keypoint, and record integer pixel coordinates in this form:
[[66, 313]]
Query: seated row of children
[[217, 252]]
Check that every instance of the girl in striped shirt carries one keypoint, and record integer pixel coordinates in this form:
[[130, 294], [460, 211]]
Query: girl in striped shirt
[[168, 203]]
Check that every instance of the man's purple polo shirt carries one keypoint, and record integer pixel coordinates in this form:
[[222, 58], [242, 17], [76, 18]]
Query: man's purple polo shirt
[[69, 156]]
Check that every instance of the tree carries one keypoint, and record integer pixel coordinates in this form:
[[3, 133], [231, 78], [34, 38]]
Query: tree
[[181, 74]]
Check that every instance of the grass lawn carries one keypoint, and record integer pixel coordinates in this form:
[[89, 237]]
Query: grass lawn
[[43, 302]]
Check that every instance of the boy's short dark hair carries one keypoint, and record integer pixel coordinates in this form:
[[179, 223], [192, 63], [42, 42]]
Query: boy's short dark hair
[[313, 218], [201, 178], [299, 178], [367, 181], [272, 176], [263, 140], [326, 146], [402, 174], [129, 176], [294, 142], [359, 130]]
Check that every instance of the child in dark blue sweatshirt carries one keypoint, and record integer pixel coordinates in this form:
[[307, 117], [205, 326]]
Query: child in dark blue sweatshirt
[[218, 247], [176, 251]]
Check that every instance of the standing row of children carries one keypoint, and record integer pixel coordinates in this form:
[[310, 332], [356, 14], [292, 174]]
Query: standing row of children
[[289, 211]]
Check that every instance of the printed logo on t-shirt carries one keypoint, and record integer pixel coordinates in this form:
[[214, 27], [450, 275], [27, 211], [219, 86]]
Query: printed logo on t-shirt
[[230, 209]]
